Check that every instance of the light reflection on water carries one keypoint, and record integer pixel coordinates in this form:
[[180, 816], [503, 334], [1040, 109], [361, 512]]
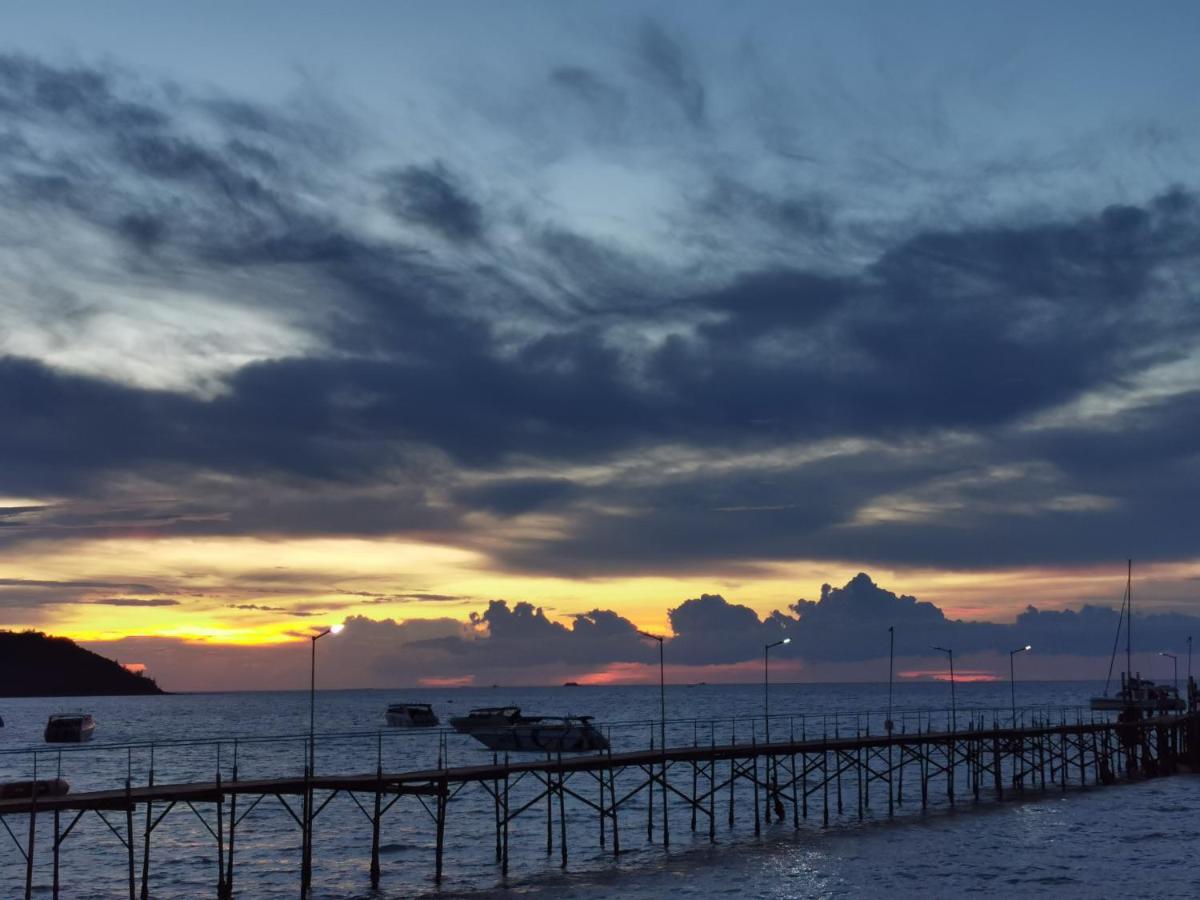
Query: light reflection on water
[[1086, 843]]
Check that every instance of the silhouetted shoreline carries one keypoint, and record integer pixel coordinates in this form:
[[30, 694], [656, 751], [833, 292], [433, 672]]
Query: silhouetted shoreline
[[33, 664]]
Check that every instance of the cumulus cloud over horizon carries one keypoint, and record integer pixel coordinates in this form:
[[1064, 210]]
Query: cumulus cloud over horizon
[[518, 643]]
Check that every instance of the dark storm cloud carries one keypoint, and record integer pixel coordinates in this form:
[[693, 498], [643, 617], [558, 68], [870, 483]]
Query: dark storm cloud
[[427, 363], [432, 196]]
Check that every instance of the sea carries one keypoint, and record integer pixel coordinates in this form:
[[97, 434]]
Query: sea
[[1129, 840]]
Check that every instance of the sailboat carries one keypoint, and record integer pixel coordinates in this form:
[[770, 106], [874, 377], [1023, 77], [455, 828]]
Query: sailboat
[[1136, 692]]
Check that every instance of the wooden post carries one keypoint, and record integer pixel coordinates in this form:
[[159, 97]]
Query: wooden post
[[549, 809], [600, 807], [562, 813], [232, 827], [504, 858], [612, 797], [650, 793], [56, 839], [754, 779], [128, 838], [825, 786], [146, 836], [859, 780], [220, 839], [496, 804], [712, 796], [377, 815], [442, 801], [29, 849], [695, 774]]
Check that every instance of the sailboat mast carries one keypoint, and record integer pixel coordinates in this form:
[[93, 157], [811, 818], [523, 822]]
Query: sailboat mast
[[1129, 621]]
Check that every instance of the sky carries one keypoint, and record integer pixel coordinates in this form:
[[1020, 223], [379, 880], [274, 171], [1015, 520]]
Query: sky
[[501, 331]]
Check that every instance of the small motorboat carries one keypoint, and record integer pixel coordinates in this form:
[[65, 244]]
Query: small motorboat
[[43, 787], [70, 728], [411, 715], [547, 734], [489, 717]]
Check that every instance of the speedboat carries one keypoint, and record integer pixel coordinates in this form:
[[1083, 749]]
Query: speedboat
[[489, 717], [411, 715], [548, 734], [70, 728]]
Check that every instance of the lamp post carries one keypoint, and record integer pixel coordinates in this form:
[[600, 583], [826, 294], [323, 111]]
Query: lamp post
[[312, 692], [891, 674], [1175, 665], [766, 683], [662, 688], [306, 866], [953, 705], [662, 729], [1012, 680]]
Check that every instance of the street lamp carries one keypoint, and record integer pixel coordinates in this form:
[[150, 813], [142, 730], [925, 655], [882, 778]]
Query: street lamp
[[953, 705], [891, 674], [312, 689], [1175, 664], [662, 687], [1012, 680], [306, 864], [663, 741], [766, 682]]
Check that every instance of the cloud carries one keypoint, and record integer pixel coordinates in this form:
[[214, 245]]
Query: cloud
[[344, 346], [669, 68], [844, 629], [431, 196], [135, 601]]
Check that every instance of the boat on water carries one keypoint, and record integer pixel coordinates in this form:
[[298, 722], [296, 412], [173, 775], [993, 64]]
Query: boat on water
[[70, 728], [1141, 693], [411, 715], [42, 787], [1136, 693], [543, 734], [490, 717]]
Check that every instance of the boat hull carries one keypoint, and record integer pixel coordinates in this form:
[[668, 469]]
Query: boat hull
[[534, 738], [43, 787], [1149, 705], [69, 733]]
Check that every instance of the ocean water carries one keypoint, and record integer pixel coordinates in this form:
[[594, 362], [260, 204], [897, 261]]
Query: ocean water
[[1127, 840]]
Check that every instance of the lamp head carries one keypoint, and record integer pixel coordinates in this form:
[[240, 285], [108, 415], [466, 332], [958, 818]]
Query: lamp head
[[336, 629], [787, 640]]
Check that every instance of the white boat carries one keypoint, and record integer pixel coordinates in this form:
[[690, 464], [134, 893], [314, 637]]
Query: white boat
[[1136, 693], [547, 734], [411, 715], [70, 728]]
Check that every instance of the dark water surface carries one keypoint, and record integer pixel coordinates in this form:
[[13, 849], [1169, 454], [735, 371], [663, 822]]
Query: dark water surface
[[1130, 840]]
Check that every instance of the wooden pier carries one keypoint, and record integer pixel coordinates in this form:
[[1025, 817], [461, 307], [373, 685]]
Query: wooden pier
[[710, 786]]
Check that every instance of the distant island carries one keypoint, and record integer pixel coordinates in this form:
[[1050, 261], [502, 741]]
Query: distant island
[[33, 664]]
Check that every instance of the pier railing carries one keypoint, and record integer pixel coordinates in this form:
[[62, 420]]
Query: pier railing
[[99, 764]]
